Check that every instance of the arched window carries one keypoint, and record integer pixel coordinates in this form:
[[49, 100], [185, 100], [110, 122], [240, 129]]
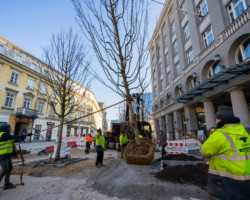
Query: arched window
[[213, 69], [243, 52]]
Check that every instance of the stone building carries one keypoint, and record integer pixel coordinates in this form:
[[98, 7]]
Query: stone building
[[104, 115], [24, 101], [199, 63]]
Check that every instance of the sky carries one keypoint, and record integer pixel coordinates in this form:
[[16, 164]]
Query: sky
[[29, 24]]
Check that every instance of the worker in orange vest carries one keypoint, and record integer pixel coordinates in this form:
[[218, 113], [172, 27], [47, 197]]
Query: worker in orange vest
[[88, 143]]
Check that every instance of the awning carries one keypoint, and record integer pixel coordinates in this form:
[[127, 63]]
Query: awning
[[223, 77]]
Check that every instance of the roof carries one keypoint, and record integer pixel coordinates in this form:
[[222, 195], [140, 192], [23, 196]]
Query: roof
[[223, 77]]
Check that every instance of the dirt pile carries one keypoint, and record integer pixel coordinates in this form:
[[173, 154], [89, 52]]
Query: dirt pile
[[195, 174], [179, 157]]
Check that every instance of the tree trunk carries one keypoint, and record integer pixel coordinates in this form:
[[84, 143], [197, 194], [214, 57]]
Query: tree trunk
[[60, 130], [133, 123]]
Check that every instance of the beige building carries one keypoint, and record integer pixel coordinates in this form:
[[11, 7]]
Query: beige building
[[24, 98], [200, 63]]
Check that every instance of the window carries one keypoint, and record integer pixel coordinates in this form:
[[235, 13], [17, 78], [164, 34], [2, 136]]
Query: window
[[168, 77], [88, 107], [77, 115], [213, 69], [1, 48], [18, 58], [175, 47], [51, 112], [83, 105], [202, 8], [208, 36], [40, 107], [190, 55], [87, 119], [173, 27], [14, 77], [9, 100], [236, 8], [186, 31], [31, 84], [46, 73], [33, 66], [27, 103], [70, 116], [184, 8], [53, 93], [243, 52], [44, 89], [178, 67]]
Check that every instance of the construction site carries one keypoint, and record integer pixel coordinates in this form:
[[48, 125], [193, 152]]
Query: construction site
[[76, 176]]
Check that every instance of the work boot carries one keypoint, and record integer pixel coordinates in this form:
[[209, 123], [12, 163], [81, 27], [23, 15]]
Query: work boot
[[8, 186]]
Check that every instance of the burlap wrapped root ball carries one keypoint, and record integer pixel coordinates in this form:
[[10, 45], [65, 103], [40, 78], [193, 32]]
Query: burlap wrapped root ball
[[139, 154]]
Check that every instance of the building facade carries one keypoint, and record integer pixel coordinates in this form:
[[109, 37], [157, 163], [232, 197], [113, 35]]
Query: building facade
[[199, 63], [24, 102], [104, 115]]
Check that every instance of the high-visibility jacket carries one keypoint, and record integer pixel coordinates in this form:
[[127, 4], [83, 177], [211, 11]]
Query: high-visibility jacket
[[6, 147], [88, 138], [229, 148], [123, 139], [100, 140]]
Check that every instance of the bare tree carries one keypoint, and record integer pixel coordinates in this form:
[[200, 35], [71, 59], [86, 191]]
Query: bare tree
[[117, 30], [66, 73]]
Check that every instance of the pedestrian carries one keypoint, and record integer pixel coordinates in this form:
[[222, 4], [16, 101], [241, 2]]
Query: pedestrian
[[123, 142], [162, 143], [100, 147], [88, 143], [229, 149], [8, 149]]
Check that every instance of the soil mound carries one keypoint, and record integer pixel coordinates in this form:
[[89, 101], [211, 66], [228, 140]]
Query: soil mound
[[179, 157], [194, 174], [140, 154]]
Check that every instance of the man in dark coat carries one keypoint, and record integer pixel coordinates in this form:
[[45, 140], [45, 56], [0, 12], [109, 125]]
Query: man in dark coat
[[162, 143]]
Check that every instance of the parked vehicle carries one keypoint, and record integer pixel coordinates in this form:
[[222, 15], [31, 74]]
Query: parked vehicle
[[112, 138]]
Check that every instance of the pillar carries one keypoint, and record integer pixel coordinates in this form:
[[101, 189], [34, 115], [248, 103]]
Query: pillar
[[239, 105], [169, 128], [177, 124], [191, 119], [209, 113]]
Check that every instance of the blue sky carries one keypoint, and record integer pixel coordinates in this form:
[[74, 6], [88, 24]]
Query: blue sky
[[30, 24]]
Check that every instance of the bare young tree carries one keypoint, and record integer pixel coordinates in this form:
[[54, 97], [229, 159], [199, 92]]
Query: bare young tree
[[117, 30], [66, 73]]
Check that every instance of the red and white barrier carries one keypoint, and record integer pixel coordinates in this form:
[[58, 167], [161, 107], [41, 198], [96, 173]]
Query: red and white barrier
[[176, 147], [156, 145]]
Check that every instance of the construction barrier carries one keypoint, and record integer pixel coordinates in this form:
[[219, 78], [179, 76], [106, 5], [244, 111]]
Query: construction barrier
[[156, 145], [50, 148], [80, 141], [176, 147]]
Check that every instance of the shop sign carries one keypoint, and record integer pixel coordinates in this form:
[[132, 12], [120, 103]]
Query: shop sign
[[50, 123], [24, 119]]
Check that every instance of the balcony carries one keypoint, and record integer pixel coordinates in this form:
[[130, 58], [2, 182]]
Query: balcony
[[237, 24], [26, 113]]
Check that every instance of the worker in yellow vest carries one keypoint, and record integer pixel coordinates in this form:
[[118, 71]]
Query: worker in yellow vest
[[123, 142], [100, 147], [7, 149], [229, 149]]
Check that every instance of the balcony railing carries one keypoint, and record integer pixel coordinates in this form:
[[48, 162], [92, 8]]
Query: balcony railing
[[239, 22], [26, 113]]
